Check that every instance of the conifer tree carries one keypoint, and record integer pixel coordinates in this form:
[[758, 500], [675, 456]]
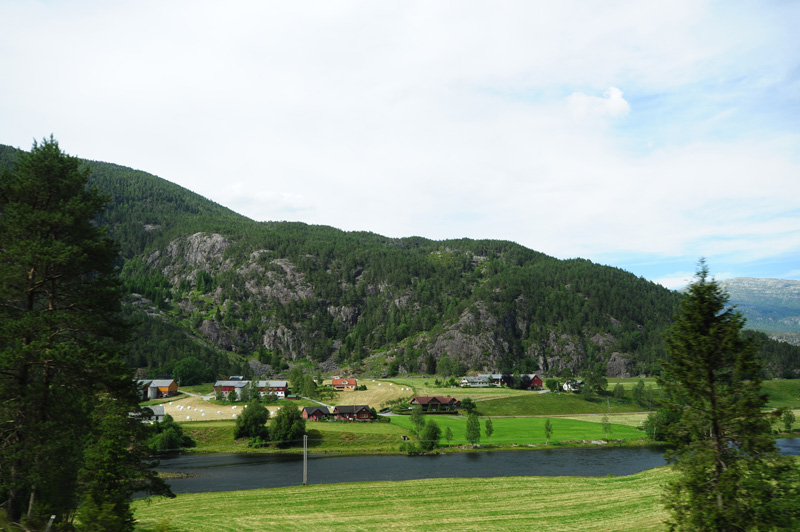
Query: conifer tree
[[730, 474], [59, 335]]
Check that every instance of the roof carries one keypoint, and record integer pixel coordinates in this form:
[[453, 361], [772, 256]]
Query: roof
[[235, 384], [425, 400], [344, 381], [349, 409], [272, 384], [158, 410], [161, 383], [309, 410]]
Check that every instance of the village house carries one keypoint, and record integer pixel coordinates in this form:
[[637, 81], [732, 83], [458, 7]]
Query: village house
[[474, 382], [352, 412], [531, 380], [156, 389], [348, 385], [316, 413], [226, 387], [279, 389], [572, 385], [436, 403]]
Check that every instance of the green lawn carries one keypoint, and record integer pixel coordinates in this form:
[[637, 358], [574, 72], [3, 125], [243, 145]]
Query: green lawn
[[555, 504], [526, 431], [783, 392]]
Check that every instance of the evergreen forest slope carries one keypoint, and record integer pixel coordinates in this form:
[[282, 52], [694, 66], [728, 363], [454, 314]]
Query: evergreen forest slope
[[213, 293]]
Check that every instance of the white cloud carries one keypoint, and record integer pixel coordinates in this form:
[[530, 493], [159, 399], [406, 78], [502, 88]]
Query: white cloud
[[611, 104], [437, 119]]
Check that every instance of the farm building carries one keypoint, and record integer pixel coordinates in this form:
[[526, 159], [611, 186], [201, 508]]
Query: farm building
[[156, 389], [474, 382], [226, 387], [345, 384], [436, 403], [316, 413], [352, 412], [277, 388], [529, 380]]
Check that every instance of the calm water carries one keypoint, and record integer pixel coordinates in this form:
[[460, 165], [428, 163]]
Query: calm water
[[227, 472]]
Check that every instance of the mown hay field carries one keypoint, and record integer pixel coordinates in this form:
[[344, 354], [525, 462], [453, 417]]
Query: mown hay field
[[378, 393], [555, 504]]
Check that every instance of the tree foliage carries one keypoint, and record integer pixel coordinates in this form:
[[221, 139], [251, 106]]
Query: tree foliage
[[288, 426], [473, 433], [60, 332], [731, 476], [430, 435], [548, 430], [167, 435], [252, 422]]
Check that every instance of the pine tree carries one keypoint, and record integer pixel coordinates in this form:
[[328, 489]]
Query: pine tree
[[59, 331], [730, 474]]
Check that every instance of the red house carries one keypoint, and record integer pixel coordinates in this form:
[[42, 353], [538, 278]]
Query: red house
[[437, 403], [316, 413], [352, 412], [277, 388], [532, 380]]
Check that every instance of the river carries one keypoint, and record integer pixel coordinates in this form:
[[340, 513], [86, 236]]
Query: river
[[227, 472]]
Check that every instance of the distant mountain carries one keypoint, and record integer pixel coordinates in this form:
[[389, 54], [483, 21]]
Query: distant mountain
[[213, 293], [771, 305]]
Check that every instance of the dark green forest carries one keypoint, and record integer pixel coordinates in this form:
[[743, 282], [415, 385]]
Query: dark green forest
[[246, 297]]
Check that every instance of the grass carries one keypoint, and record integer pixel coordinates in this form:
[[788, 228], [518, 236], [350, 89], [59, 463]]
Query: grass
[[556, 504], [528, 431], [782, 392], [552, 404]]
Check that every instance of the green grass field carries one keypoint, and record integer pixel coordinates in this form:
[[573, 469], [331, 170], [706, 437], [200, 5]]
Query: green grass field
[[782, 392], [630, 503], [528, 431]]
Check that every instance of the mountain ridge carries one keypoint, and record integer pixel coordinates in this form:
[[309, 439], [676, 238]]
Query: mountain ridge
[[245, 297]]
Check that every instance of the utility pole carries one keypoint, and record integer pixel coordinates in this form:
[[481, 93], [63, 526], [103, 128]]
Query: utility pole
[[305, 459]]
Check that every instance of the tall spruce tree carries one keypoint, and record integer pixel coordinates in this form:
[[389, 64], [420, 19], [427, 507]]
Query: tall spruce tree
[[730, 474], [59, 332]]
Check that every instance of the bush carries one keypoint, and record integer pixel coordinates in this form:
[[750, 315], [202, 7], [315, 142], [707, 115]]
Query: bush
[[288, 427], [168, 436], [252, 422]]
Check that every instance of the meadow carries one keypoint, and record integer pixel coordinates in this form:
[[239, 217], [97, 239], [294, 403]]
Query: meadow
[[529, 430], [630, 503]]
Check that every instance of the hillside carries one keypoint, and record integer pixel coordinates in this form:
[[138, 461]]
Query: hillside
[[214, 293]]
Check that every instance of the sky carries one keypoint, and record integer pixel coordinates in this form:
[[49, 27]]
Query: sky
[[638, 134]]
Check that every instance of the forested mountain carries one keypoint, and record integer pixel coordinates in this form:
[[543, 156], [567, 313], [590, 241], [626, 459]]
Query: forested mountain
[[214, 293]]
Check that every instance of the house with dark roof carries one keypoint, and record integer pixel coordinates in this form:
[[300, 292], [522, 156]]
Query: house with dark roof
[[352, 412], [437, 403], [316, 413]]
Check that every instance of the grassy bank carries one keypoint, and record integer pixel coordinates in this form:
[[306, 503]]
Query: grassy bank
[[527, 431], [502, 504]]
